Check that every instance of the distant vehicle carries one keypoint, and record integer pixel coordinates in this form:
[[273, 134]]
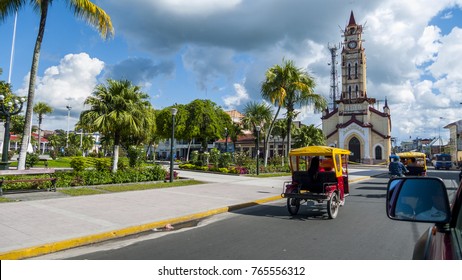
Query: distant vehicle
[[415, 162], [425, 199], [442, 161]]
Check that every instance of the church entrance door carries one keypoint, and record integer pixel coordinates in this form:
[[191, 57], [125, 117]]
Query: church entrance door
[[355, 147]]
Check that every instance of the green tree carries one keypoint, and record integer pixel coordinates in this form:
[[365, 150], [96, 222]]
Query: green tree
[[117, 109], [206, 121], [308, 136], [84, 9], [41, 109], [288, 86], [57, 142]]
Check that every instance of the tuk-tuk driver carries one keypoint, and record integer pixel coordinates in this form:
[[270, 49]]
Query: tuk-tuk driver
[[397, 168]]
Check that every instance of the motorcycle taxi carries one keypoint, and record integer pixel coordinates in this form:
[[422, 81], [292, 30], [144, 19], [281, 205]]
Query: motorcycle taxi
[[320, 174], [415, 162]]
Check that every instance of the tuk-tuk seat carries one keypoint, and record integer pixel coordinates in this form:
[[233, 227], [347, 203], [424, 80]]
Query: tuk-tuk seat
[[322, 179], [415, 170], [303, 178], [315, 183]]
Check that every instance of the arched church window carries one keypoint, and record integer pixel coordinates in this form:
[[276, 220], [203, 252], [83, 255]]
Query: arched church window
[[357, 91], [356, 70], [349, 92], [378, 153], [349, 71]]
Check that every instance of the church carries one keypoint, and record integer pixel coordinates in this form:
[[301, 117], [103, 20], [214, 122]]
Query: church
[[355, 122]]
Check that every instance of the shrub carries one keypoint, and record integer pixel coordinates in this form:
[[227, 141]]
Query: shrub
[[32, 159], [135, 156], [167, 175], [214, 156], [122, 164], [194, 157], [239, 170], [102, 164], [242, 158], [78, 164], [186, 166], [94, 177], [225, 160], [223, 170], [53, 154]]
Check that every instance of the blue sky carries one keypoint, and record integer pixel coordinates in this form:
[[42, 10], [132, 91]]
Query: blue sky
[[180, 50]]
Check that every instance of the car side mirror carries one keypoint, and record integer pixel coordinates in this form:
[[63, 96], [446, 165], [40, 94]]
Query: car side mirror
[[418, 199]]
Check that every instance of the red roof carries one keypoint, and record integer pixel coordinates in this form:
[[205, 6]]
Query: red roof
[[16, 138]]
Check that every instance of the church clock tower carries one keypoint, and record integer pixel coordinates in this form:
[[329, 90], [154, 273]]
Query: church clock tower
[[353, 64], [355, 124]]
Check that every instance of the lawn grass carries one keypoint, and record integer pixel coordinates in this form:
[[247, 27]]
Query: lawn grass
[[4, 199], [63, 162], [79, 191]]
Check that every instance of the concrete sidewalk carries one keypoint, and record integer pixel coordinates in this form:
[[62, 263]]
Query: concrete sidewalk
[[38, 225]]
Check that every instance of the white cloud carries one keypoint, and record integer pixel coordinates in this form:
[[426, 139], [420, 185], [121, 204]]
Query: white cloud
[[241, 95], [449, 58], [204, 45], [429, 44], [68, 83], [196, 7]]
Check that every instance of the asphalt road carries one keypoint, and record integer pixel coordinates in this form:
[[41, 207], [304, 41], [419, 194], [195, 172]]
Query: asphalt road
[[360, 232]]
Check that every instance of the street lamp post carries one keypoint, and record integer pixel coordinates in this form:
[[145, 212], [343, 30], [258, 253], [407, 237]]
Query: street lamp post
[[258, 148], [226, 140], [9, 109], [173, 111], [68, 117]]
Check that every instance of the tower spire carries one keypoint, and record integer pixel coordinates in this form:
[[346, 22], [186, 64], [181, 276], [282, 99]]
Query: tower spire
[[352, 19]]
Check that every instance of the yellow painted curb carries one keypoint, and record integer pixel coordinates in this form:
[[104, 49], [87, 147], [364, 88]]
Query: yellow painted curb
[[95, 238]]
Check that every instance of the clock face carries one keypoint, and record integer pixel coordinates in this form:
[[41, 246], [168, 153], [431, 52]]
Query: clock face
[[352, 44]]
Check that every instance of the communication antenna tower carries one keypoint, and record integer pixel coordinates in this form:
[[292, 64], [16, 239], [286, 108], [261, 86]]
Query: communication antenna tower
[[333, 74]]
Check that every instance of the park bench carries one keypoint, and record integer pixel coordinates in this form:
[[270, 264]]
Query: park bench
[[28, 178]]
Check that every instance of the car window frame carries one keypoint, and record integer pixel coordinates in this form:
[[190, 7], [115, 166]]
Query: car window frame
[[456, 223]]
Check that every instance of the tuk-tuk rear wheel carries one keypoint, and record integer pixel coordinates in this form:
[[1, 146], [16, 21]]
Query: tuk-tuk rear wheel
[[333, 205], [293, 204]]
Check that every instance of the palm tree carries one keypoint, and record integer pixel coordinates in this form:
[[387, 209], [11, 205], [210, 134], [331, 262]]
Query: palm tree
[[234, 132], [41, 109], [308, 136], [84, 9], [257, 114], [117, 110], [288, 86]]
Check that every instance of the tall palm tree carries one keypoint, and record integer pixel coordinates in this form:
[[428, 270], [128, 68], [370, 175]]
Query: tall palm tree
[[84, 9], [234, 132], [117, 110], [41, 109], [289, 86], [257, 114]]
